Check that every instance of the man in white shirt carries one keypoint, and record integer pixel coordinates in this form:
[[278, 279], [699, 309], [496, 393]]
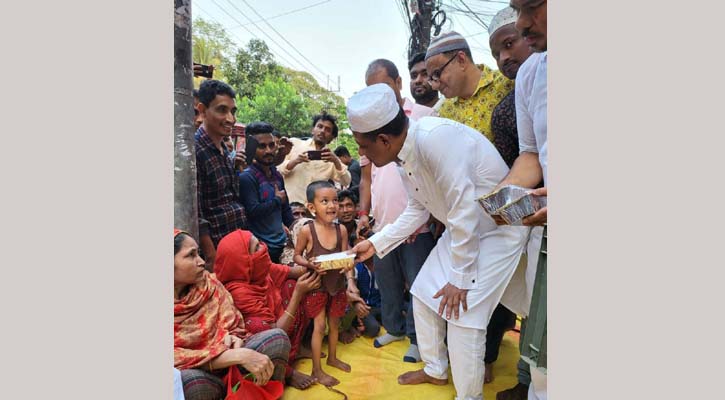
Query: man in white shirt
[[445, 166], [382, 191], [298, 170], [529, 169]]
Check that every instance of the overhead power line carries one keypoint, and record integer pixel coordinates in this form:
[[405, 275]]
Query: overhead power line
[[301, 65], [285, 39], [290, 12], [272, 40]]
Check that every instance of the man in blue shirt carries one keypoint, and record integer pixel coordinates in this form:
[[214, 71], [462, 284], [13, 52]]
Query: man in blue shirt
[[263, 194]]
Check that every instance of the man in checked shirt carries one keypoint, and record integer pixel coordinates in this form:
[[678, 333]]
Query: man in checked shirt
[[217, 181]]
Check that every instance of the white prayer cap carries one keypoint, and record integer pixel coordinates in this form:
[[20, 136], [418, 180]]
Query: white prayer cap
[[372, 108], [502, 18]]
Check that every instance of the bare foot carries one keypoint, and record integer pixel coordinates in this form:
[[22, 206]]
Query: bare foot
[[346, 337], [305, 352], [488, 374], [298, 380], [325, 379], [334, 362], [518, 392], [418, 377]]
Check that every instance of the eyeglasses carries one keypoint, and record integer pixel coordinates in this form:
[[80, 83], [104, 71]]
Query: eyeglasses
[[436, 74]]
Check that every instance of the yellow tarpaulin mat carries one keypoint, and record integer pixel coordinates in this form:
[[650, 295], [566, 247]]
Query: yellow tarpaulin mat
[[375, 373]]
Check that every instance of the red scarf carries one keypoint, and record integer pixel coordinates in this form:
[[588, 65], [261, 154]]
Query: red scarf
[[252, 279]]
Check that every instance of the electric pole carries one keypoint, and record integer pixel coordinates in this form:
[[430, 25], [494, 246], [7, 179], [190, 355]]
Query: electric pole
[[185, 201], [420, 25]]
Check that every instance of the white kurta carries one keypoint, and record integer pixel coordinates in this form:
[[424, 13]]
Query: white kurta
[[531, 123], [445, 167]]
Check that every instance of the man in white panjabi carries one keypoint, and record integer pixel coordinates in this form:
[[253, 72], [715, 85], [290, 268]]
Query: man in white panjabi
[[528, 170], [445, 166]]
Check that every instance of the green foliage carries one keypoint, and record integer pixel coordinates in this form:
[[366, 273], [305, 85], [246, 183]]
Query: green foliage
[[211, 45], [346, 139], [276, 102], [266, 91], [252, 65]]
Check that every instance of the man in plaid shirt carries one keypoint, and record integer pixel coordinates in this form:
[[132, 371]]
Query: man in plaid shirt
[[216, 177]]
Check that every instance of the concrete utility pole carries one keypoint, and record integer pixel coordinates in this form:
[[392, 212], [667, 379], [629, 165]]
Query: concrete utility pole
[[185, 201], [420, 26]]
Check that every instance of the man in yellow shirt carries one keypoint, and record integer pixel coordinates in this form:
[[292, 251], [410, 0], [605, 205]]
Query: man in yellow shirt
[[472, 91], [299, 170]]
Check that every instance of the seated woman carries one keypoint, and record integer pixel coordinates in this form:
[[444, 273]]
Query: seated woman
[[269, 295], [209, 332]]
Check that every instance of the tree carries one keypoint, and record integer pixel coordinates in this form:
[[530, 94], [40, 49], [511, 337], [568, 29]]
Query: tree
[[346, 139], [276, 102], [315, 96], [211, 45], [252, 65]]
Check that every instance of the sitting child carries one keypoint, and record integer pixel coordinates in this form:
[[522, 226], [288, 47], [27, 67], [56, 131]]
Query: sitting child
[[317, 237]]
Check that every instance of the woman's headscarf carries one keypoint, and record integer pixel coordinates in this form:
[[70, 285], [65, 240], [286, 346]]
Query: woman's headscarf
[[252, 279], [201, 320]]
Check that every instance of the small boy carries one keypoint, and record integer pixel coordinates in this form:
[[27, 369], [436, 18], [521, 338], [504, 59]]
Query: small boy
[[321, 236]]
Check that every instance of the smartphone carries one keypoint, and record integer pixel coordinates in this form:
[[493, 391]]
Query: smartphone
[[207, 71], [250, 148], [314, 154]]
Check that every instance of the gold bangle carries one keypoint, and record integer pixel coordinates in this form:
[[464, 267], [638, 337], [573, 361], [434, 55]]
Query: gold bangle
[[210, 367], [288, 313]]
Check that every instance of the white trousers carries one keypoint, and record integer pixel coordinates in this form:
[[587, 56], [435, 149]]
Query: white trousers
[[466, 347]]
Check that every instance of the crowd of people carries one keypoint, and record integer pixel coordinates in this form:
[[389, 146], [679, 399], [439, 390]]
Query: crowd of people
[[430, 267]]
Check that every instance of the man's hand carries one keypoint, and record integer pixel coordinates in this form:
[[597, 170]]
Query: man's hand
[[363, 251], [411, 238], [280, 193], [301, 158], [328, 156], [539, 218], [240, 160], [363, 223], [452, 298]]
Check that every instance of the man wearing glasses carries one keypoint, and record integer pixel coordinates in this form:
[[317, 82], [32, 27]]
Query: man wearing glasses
[[472, 91]]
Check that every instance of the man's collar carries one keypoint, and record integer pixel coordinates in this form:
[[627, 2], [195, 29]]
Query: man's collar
[[487, 77], [406, 153], [206, 141]]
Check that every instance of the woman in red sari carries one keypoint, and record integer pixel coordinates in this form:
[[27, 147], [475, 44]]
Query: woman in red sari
[[269, 295], [209, 332]]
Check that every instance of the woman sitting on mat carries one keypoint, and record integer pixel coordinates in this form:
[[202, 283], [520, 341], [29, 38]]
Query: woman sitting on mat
[[268, 295], [209, 332]]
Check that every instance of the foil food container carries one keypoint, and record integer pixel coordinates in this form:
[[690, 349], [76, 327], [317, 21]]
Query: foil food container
[[335, 261], [512, 203]]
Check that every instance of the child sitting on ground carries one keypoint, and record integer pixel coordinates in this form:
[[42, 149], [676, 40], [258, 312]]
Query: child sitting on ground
[[317, 237]]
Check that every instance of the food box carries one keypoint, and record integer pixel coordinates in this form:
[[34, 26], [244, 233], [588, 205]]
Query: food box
[[512, 203], [340, 260]]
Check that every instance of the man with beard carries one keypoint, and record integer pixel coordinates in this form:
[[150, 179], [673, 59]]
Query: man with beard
[[530, 167], [263, 193], [299, 170], [419, 87], [510, 52]]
